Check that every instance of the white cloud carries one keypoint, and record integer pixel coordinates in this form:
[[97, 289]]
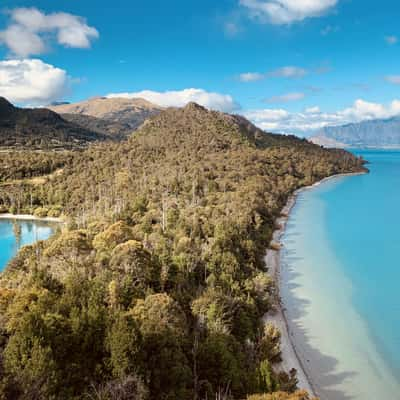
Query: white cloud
[[281, 12], [285, 98], [179, 98], [22, 41], [289, 72], [391, 39], [31, 81], [395, 79], [251, 77], [313, 110], [268, 114], [283, 72], [30, 27], [312, 119]]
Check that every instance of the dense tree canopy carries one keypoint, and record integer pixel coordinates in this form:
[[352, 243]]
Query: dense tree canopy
[[157, 286]]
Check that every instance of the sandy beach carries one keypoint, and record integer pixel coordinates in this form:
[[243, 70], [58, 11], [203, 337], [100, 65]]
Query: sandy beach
[[28, 217], [290, 355]]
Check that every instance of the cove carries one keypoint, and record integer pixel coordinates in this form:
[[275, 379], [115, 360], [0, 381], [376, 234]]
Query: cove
[[17, 233]]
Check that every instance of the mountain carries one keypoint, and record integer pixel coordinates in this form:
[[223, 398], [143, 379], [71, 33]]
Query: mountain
[[379, 133], [40, 128], [59, 103], [179, 140], [115, 130], [212, 130], [131, 112]]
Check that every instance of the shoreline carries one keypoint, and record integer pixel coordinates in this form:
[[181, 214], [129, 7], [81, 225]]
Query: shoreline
[[29, 217], [289, 354]]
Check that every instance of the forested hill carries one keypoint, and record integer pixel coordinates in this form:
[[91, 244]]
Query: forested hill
[[40, 129], [115, 130], [180, 144], [157, 286]]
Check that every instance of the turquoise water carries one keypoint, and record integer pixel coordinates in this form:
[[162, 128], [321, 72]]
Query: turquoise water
[[14, 234], [340, 281]]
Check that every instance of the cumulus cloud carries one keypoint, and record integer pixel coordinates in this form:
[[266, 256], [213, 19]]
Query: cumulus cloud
[[313, 110], [391, 39], [29, 28], [395, 79], [312, 119], [31, 81], [179, 98], [282, 12], [285, 98]]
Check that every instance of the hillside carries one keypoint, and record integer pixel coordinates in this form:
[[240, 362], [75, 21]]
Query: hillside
[[130, 112], [114, 130], [156, 287], [40, 129], [380, 133]]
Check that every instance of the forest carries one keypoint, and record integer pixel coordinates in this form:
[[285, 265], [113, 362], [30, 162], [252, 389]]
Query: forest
[[155, 286], [42, 129]]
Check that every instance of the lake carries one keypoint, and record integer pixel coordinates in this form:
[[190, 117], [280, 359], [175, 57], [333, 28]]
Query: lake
[[16, 233], [340, 281]]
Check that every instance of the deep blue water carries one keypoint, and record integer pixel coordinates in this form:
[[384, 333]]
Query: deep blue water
[[11, 240], [341, 281]]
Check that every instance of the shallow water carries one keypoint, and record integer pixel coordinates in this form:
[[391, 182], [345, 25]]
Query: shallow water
[[340, 278], [16, 233]]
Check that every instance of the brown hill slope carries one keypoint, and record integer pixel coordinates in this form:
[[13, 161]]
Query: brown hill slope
[[40, 128], [132, 112], [115, 130], [194, 126]]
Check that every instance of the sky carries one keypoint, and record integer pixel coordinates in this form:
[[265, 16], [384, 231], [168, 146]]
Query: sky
[[290, 66]]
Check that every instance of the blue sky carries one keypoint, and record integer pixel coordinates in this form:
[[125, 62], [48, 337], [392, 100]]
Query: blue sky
[[289, 65]]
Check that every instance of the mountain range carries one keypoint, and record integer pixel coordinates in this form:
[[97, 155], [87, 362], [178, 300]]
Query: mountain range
[[40, 128], [128, 112], [378, 133], [65, 125]]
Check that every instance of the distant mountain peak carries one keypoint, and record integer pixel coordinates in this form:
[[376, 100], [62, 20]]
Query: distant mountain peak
[[59, 103], [131, 112], [4, 103], [40, 128], [6, 108], [376, 133], [194, 106]]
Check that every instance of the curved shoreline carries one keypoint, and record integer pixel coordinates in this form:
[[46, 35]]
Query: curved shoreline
[[290, 355], [29, 217]]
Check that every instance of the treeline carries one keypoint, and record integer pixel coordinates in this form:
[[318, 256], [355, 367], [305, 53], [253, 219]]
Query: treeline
[[17, 165], [156, 288]]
